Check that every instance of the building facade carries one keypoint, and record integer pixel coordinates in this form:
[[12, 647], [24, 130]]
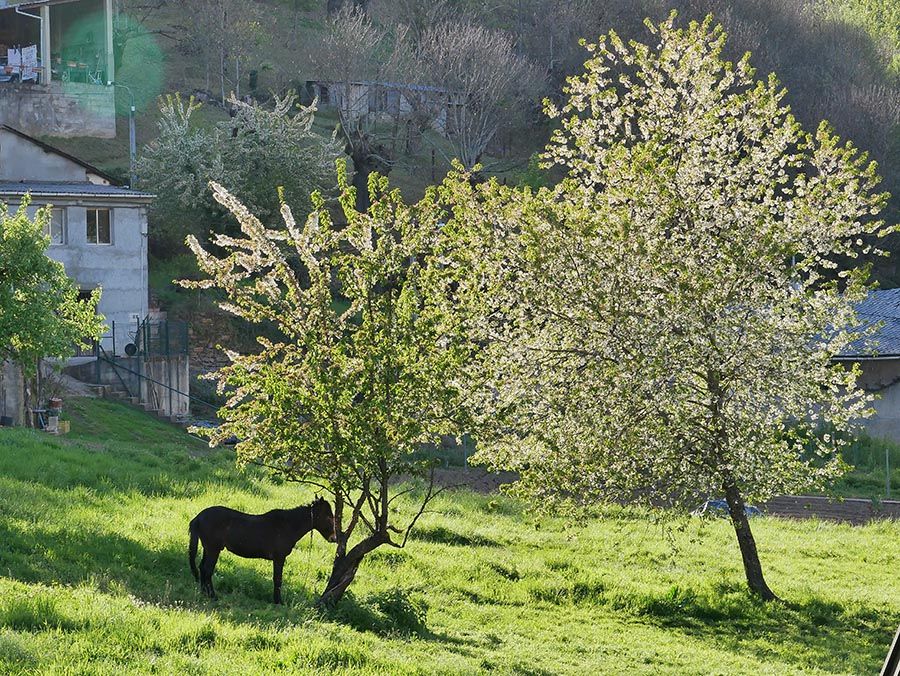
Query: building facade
[[57, 66], [878, 356], [98, 231]]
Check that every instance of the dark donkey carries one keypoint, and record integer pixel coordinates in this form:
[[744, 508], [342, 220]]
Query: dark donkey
[[269, 536]]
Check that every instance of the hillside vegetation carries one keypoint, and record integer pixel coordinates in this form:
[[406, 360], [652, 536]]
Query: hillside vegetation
[[94, 579], [840, 60]]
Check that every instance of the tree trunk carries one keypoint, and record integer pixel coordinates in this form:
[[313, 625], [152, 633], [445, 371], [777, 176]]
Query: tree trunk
[[752, 566], [119, 45], [222, 39], [364, 165], [343, 570], [361, 172]]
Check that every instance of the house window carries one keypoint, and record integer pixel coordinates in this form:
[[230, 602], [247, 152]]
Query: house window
[[99, 229], [55, 228]]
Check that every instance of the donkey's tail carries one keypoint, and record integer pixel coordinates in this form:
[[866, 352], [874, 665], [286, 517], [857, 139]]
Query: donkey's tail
[[192, 551]]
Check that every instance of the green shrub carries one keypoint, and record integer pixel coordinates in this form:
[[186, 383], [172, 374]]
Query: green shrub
[[405, 614]]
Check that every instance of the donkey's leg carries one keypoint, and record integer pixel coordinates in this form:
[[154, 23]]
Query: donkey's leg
[[207, 567], [277, 568]]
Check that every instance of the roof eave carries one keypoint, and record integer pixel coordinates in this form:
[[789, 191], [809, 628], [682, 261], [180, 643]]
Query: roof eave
[[870, 357], [142, 198]]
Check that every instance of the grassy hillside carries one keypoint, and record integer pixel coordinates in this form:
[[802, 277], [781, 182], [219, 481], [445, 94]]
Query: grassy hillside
[[94, 579], [879, 18], [165, 61]]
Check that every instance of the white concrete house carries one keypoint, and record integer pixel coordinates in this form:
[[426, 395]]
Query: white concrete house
[[879, 358], [98, 230]]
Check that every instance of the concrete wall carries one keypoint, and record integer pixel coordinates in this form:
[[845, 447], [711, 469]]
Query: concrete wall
[[883, 378], [59, 109], [22, 160], [175, 372], [136, 374], [119, 269]]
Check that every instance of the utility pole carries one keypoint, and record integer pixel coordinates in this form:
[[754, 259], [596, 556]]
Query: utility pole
[[132, 137]]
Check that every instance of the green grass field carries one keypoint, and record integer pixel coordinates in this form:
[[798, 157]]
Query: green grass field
[[94, 579]]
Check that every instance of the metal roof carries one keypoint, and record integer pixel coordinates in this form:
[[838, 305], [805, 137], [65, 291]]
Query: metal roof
[[76, 189], [880, 309]]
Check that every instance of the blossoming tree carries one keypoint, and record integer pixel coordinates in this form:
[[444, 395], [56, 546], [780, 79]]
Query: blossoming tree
[[364, 371], [661, 323]]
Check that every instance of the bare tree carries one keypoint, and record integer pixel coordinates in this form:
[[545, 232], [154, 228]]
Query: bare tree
[[225, 33], [353, 57], [488, 84], [416, 15], [335, 7]]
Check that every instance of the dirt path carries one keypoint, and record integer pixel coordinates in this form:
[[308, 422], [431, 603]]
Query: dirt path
[[474, 479]]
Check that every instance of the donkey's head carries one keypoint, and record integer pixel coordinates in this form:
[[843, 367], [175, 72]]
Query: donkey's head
[[323, 519]]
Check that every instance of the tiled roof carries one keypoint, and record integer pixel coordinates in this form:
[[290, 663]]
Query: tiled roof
[[70, 189], [882, 308]]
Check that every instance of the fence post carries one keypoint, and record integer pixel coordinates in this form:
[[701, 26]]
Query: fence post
[[887, 471], [114, 338], [139, 361]]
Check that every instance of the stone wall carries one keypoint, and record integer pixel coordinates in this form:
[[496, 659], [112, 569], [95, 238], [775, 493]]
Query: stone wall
[[59, 109]]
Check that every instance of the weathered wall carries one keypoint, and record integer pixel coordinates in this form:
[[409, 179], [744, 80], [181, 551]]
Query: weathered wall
[[59, 109], [883, 378], [119, 269], [12, 392], [22, 160], [173, 371]]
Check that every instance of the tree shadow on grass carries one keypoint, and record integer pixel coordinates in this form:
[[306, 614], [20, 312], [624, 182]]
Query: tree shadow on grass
[[393, 612], [811, 632], [105, 560], [445, 536], [116, 564]]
